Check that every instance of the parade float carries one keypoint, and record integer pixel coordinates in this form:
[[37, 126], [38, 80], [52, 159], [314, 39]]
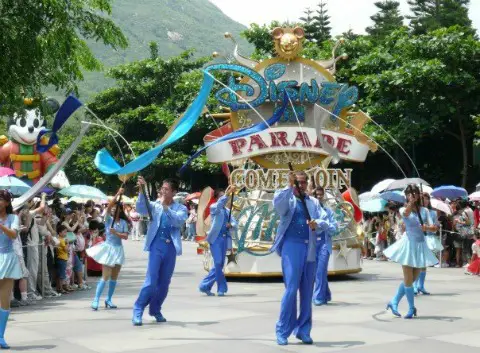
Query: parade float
[[20, 150], [319, 126]]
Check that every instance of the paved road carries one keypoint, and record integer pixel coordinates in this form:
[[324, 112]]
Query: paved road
[[244, 321]]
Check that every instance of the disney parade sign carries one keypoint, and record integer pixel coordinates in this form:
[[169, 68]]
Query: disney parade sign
[[255, 91]]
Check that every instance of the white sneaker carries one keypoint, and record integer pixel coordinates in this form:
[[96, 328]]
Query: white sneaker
[[33, 296], [52, 294]]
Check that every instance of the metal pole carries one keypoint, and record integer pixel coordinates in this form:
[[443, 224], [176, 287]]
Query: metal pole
[[441, 242], [42, 270]]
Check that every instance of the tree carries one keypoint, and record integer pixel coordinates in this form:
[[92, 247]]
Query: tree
[[322, 23], [43, 42], [309, 24], [386, 20], [148, 96], [429, 15], [425, 88]]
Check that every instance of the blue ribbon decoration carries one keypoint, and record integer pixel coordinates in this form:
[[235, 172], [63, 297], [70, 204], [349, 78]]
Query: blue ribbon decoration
[[108, 165], [68, 107], [241, 133]]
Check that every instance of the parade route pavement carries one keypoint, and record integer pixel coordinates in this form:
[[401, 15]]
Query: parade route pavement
[[244, 320]]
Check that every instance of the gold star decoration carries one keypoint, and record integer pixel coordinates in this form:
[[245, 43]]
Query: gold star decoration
[[232, 257]]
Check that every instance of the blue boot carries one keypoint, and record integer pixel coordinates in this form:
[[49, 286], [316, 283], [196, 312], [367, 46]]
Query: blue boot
[[3, 325], [393, 305], [111, 289], [416, 285], [421, 283], [412, 311], [98, 293]]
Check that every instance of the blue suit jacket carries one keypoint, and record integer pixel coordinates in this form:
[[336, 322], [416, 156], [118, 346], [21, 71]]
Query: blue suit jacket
[[177, 213], [284, 203], [329, 217], [218, 218]]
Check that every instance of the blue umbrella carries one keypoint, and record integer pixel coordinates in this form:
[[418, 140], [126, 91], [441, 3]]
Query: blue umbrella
[[449, 192], [396, 196], [375, 205], [83, 191], [16, 186]]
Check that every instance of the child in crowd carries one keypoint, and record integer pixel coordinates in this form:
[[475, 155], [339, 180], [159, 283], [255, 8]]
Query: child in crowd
[[380, 241], [61, 260]]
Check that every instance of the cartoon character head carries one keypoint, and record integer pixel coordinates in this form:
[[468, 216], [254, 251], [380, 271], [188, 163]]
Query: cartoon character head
[[288, 41], [25, 126]]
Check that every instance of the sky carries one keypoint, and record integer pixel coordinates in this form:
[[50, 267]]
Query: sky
[[345, 14]]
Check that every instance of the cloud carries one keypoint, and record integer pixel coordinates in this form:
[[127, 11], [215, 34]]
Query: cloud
[[345, 14]]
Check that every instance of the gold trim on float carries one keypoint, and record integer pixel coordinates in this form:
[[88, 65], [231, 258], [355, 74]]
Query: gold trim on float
[[344, 272], [279, 274]]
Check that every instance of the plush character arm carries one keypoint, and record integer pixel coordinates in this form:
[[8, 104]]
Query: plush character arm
[[4, 151]]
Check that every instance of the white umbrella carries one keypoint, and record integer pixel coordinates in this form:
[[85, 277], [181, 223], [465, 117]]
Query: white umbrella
[[381, 186], [441, 206], [367, 196], [427, 189], [474, 196]]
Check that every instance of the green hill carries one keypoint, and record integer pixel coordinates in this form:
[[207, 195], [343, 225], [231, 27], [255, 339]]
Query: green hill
[[176, 25]]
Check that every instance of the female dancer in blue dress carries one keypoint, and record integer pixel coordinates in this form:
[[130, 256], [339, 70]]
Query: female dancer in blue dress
[[411, 251], [10, 269], [433, 243], [110, 253]]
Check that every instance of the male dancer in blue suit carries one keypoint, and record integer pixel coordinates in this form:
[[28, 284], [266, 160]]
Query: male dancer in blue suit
[[220, 239], [321, 292], [295, 243], [164, 244]]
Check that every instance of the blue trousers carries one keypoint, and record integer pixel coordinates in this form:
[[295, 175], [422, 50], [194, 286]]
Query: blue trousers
[[298, 275], [219, 251], [321, 292], [161, 263]]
